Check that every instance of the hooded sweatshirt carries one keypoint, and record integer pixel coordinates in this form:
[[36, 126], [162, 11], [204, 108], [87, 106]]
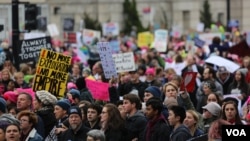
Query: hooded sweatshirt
[[181, 133]]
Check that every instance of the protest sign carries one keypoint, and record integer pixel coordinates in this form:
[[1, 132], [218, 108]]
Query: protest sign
[[99, 90], [29, 50], [115, 45], [33, 35], [89, 35], [188, 82], [145, 39], [110, 29], [208, 37], [160, 40], [198, 42], [124, 62], [52, 72], [53, 30], [107, 61]]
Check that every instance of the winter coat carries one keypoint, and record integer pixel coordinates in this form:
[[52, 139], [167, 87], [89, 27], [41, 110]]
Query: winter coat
[[181, 133]]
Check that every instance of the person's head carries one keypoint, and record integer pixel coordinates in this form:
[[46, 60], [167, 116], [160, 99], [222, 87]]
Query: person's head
[[27, 119], [93, 113], [239, 76], [75, 117], [95, 135], [223, 73], [3, 125], [246, 62], [190, 59], [216, 40], [12, 132], [152, 91], [169, 72], [170, 89], [83, 105], [76, 69], [212, 109], [154, 107], [131, 103], [44, 99], [150, 74], [75, 95], [176, 79], [110, 117], [209, 73], [19, 77], [213, 97], [5, 74], [10, 97], [209, 87], [120, 107], [177, 114], [61, 108], [24, 101], [81, 83], [230, 112], [215, 130], [192, 119], [3, 105], [134, 76]]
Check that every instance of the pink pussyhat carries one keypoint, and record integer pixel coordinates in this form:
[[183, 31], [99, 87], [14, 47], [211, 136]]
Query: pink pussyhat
[[11, 96]]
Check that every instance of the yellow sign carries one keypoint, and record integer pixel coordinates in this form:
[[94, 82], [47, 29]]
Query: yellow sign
[[145, 39], [52, 72]]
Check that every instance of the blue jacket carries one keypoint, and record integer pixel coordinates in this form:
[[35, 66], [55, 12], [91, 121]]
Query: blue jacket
[[34, 136]]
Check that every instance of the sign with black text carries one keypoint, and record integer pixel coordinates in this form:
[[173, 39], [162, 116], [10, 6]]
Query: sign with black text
[[29, 50], [52, 72]]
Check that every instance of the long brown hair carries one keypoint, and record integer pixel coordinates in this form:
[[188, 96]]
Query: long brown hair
[[115, 121]]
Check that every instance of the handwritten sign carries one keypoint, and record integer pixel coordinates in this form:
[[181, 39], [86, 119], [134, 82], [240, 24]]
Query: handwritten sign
[[160, 40], [145, 39], [115, 45], [110, 29], [124, 62], [99, 90], [29, 50], [107, 61], [52, 72]]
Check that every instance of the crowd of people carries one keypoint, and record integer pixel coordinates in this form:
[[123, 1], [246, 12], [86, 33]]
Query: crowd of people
[[146, 104]]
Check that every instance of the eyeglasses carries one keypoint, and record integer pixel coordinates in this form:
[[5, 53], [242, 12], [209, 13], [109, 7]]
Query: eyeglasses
[[23, 120]]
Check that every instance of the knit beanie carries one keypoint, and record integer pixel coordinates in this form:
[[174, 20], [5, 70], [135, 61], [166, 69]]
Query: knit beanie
[[155, 91], [46, 97], [64, 104], [11, 96], [3, 105], [75, 110], [75, 93]]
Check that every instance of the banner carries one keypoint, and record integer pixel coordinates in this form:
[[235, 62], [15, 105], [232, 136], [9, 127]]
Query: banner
[[99, 90], [160, 40], [29, 50], [124, 62], [52, 72], [198, 42], [107, 61]]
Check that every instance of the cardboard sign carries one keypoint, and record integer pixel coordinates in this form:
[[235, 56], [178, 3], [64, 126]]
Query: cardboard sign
[[124, 62], [107, 61], [99, 90], [145, 39], [188, 82], [160, 40], [29, 50], [53, 30], [110, 29], [52, 72]]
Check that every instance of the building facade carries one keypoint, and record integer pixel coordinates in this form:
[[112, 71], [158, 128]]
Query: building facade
[[184, 13]]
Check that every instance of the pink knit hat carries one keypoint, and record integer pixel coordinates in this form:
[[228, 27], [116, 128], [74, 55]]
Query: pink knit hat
[[11, 96], [71, 85]]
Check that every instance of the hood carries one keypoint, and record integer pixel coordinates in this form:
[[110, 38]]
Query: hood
[[139, 113]]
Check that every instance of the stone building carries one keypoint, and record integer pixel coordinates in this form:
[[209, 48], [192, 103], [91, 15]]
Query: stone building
[[184, 13]]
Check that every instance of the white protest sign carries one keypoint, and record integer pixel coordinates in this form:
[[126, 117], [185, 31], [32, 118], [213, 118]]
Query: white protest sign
[[124, 62], [208, 37], [110, 29], [53, 30], [200, 27], [33, 35], [89, 35], [178, 67], [160, 40], [108, 64]]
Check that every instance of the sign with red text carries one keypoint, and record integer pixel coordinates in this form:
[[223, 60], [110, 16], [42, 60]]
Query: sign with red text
[[52, 72]]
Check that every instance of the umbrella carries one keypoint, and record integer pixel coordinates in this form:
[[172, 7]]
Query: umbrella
[[220, 61], [241, 49]]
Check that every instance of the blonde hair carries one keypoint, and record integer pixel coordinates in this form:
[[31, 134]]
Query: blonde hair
[[170, 84], [195, 116]]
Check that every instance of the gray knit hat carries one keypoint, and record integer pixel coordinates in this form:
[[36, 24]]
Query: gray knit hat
[[46, 97]]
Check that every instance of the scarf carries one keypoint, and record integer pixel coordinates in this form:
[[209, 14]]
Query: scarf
[[151, 124]]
